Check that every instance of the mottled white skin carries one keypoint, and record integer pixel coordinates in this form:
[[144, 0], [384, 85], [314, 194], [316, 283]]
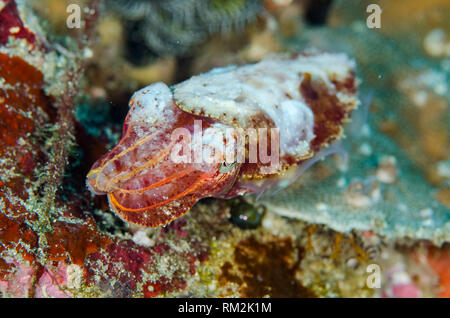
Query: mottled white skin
[[236, 95], [274, 184], [151, 107], [151, 104]]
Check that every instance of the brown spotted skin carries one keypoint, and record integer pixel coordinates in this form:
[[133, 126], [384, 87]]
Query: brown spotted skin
[[330, 115]]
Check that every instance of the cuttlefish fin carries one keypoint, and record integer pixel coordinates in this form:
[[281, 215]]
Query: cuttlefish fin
[[154, 216]]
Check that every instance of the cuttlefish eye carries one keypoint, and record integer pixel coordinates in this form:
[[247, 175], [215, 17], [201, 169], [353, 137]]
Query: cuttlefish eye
[[227, 167]]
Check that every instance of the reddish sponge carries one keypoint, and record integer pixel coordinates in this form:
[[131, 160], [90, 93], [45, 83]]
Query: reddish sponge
[[12, 25]]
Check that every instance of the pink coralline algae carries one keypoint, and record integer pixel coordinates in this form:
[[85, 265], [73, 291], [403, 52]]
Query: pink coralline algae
[[28, 280], [131, 264], [33, 241], [53, 282], [124, 261], [399, 284], [20, 280]]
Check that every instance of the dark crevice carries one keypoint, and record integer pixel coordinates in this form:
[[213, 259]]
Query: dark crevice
[[184, 66], [317, 11]]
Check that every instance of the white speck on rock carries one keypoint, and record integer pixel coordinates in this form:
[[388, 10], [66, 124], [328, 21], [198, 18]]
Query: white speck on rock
[[141, 238]]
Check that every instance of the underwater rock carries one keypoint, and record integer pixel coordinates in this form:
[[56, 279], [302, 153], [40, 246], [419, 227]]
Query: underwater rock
[[390, 183], [266, 268], [36, 225]]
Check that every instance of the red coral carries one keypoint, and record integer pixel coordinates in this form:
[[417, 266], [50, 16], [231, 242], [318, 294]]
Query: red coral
[[74, 240], [123, 260], [20, 282], [11, 232], [25, 109], [24, 94], [160, 248], [12, 25], [127, 261], [192, 266], [439, 260]]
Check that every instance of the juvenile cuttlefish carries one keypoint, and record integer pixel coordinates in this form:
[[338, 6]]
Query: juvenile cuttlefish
[[224, 133]]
